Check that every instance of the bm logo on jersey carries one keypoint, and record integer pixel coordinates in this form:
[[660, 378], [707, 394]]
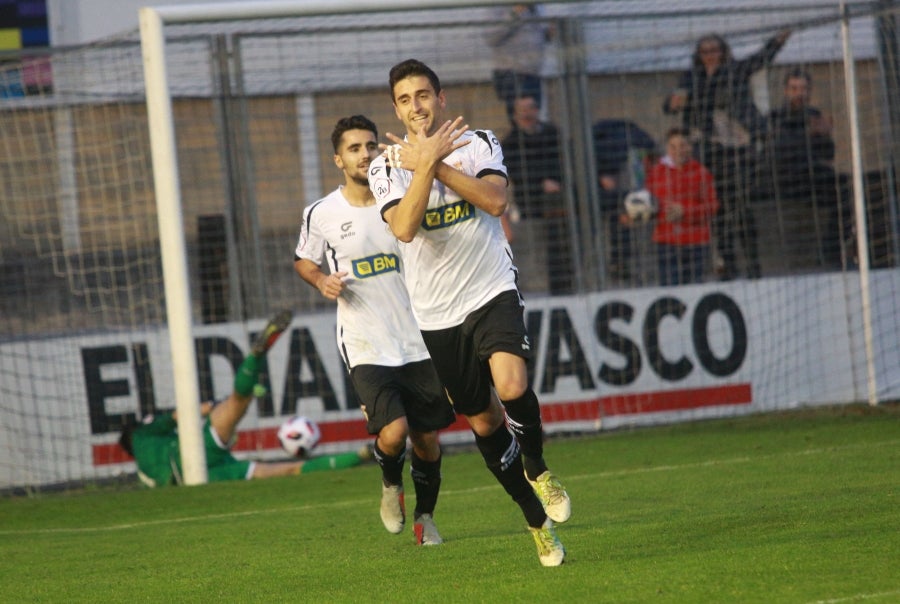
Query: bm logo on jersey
[[448, 215], [375, 265]]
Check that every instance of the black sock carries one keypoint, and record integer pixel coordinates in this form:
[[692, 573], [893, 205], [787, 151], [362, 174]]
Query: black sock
[[426, 476], [501, 454], [524, 414], [391, 466]]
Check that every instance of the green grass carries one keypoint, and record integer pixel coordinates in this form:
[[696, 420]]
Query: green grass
[[789, 507]]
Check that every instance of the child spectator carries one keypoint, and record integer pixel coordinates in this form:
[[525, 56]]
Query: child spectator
[[686, 194]]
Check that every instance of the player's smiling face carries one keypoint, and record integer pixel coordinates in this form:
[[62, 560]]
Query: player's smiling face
[[358, 149], [417, 104]]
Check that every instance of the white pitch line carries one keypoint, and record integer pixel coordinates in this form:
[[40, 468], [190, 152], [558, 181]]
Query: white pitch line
[[132, 525], [444, 493], [860, 597]]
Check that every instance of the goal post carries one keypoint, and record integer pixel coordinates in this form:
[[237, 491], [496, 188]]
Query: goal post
[[172, 246], [859, 207]]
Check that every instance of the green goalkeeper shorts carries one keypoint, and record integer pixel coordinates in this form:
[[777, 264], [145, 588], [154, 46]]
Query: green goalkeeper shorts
[[220, 463]]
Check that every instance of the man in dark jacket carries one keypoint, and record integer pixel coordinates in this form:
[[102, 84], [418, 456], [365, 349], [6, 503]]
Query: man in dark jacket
[[801, 158], [531, 152]]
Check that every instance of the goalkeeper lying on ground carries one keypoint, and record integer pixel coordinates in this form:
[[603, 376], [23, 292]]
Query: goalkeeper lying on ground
[[154, 443]]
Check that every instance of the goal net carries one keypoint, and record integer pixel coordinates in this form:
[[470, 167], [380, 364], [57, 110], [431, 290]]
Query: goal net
[[789, 300]]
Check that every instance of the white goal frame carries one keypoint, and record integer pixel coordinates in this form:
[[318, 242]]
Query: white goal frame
[[859, 207]]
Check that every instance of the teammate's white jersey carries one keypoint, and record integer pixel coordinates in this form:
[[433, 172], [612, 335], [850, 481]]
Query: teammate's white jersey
[[375, 325], [460, 258]]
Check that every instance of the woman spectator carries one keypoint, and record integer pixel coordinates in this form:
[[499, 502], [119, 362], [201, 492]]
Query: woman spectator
[[715, 101]]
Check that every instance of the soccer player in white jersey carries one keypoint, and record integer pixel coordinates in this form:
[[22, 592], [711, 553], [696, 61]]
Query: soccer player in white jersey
[[399, 390], [442, 190]]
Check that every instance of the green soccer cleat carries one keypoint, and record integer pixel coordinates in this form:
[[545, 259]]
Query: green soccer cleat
[[550, 551], [553, 496], [426, 531], [393, 508], [272, 331]]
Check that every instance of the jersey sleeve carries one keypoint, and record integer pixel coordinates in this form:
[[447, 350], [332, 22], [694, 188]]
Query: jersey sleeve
[[311, 244], [488, 154], [385, 184]]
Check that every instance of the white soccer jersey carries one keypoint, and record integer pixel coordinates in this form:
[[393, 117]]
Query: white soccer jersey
[[375, 325], [460, 258]]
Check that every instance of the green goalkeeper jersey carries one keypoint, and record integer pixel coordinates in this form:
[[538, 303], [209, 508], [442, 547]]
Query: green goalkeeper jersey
[[156, 449]]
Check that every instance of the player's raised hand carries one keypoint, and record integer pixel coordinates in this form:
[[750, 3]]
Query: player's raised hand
[[427, 150], [446, 138]]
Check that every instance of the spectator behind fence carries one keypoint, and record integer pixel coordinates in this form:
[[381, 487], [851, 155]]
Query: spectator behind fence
[[687, 202], [518, 40], [621, 150], [715, 100], [801, 156], [532, 154]]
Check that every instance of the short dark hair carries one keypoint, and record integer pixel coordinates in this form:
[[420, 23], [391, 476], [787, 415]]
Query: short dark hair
[[410, 68], [527, 95], [678, 131], [797, 72], [354, 122]]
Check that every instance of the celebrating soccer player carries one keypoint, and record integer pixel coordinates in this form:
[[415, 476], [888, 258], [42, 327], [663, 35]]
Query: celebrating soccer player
[[442, 190], [399, 391]]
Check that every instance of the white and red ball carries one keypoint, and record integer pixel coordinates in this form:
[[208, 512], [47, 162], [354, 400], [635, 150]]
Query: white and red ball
[[639, 205], [299, 435]]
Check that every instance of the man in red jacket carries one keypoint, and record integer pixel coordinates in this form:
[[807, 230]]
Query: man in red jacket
[[687, 200]]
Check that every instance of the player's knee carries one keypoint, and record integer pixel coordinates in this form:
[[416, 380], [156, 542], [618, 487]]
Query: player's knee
[[424, 440], [426, 444], [509, 375], [392, 437], [511, 388]]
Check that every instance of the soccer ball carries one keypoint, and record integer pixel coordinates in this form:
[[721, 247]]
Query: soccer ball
[[639, 205], [299, 435]]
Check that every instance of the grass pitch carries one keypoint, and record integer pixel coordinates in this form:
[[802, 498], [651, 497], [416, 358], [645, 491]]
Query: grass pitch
[[788, 507]]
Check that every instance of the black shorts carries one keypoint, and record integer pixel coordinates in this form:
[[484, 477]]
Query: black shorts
[[412, 390], [460, 354]]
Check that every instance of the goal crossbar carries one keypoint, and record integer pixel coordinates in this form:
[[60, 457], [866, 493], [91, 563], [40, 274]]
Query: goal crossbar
[[230, 11]]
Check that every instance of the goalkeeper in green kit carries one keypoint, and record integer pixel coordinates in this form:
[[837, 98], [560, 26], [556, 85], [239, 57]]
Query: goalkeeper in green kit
[[154, 442]]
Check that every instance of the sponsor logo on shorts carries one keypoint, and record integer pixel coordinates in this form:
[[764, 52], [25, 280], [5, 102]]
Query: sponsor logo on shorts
[[375, 265], [448, 215]]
